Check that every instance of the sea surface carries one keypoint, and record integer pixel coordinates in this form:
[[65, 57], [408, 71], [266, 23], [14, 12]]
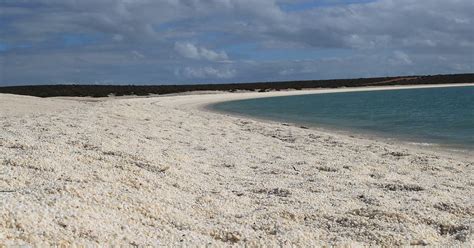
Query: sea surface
[[427, 116]]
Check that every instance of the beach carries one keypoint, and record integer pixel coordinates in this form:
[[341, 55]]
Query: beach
[[167, 171]]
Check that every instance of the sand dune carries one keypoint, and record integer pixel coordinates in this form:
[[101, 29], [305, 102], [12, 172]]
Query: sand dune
[[164, 171]]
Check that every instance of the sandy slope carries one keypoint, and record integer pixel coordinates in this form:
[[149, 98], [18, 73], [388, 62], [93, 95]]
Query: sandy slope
[[162, 171]]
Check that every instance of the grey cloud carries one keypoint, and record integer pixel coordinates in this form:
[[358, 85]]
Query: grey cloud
[[150, 41], [407, 24]]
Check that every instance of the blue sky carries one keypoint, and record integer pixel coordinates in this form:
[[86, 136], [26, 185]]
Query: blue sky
[[211, 41]]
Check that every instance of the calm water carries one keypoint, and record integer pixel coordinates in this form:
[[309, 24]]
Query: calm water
[[438, 116]]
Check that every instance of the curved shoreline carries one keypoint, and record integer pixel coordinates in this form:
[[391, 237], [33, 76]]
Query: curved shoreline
[[251, 95], [413, 144]]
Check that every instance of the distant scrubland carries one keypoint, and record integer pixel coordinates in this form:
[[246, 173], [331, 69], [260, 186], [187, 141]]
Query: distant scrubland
[[143, 90]]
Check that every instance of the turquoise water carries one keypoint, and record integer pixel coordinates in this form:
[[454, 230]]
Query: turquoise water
[[437, 116]]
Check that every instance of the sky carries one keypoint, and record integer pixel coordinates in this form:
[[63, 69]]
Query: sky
[[226, 41]]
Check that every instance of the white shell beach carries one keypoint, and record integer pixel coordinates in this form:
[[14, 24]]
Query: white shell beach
[[165, 171]]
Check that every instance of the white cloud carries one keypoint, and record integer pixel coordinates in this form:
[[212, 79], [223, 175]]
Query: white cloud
[[401, 57], [137, 55], [208, 72], [189, 50]]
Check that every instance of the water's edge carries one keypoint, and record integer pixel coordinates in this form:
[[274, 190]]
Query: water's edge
[[445, 148]]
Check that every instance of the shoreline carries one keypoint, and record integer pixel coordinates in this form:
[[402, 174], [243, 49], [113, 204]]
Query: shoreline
[[272, 93], [445, 149], [210, 98]]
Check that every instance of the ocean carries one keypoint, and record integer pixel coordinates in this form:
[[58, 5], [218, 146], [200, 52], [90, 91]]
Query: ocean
[[430, 116]]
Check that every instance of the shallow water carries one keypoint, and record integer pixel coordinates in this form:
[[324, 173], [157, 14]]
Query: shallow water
[[436, 116]]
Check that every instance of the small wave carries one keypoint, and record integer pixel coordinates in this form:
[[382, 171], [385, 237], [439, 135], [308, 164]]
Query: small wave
[[422, 144]]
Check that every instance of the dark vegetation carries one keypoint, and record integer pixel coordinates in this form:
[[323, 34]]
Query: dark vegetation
[[142, 90]]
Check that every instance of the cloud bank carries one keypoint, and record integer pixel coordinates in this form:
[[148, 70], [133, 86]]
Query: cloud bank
[[189, 41]]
